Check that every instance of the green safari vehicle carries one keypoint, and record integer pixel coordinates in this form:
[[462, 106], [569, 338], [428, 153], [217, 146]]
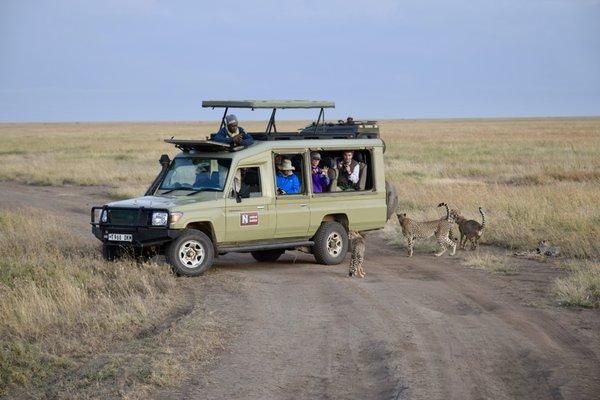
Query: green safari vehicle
[[213, 198]]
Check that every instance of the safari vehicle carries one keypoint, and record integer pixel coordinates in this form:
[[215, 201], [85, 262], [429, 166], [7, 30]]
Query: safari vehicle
[[213, 199]]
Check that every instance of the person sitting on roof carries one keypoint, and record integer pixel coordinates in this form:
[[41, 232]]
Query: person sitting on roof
[[232, 134], [287, 181]]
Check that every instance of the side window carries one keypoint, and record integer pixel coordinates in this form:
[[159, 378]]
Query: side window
[[341, 171], [289, 173], [247, 182]]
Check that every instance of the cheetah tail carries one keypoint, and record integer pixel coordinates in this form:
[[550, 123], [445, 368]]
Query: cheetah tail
[[482, 218], [447, 210]]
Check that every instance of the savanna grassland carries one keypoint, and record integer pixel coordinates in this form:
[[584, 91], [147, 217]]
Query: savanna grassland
[[535, 178], [59, 301], [75, 326]]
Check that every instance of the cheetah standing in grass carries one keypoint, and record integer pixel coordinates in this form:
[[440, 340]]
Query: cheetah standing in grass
[[440, 228], [358, 254], [470, 230]]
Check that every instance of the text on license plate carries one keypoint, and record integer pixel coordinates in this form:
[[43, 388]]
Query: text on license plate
[[120, 237]]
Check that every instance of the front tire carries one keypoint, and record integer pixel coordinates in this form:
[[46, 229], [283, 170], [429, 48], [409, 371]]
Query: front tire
[[267, 255], [191, 254], [331, 243]]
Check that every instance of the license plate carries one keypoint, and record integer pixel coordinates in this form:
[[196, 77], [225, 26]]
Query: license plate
[[120, 237]]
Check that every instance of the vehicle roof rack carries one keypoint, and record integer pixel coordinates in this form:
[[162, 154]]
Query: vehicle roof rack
[[201, 145], [267, 104], [319, 135]]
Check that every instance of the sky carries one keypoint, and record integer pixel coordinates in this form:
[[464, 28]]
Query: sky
[[153, 60]]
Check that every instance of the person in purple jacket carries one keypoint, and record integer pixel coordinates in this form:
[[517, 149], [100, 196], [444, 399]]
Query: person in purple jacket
[[320, 179]]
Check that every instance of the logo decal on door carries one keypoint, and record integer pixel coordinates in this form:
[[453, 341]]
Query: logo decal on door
[[249, 218]]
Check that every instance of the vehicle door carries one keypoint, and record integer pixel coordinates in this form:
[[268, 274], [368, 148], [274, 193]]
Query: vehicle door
[[249, 208], [292, 209]]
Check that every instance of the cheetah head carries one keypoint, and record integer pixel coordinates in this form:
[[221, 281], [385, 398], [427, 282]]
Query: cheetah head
[[455, 214], [542, 246], [401, 217], [352, 235]]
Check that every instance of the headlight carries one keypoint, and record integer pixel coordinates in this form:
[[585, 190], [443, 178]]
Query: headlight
[[104, 216], [160, 218]]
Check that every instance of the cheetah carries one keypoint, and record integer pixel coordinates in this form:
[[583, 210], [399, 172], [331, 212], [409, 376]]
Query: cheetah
[[358, 240], [440, 228], [470, 229], [546, 249]]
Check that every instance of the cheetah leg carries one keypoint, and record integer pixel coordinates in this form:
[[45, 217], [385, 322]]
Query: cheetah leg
[[361, 271], [463, 241], [473, 243], [411, 243], [442, 244], [452, 246]]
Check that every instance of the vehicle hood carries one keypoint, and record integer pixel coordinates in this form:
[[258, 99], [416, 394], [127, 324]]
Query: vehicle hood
[[167, 202]]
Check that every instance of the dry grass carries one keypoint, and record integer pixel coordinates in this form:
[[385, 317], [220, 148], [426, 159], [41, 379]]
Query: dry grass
[[535, 178], [581, 288], [491, 263], [71, 321]]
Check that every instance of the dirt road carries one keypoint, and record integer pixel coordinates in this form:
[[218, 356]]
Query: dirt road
[[420, 328]]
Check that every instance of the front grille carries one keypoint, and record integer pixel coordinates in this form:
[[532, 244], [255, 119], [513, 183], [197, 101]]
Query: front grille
[[125, 217]]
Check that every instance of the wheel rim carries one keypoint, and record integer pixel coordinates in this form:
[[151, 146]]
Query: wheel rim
[[334, 244], [191, 253]]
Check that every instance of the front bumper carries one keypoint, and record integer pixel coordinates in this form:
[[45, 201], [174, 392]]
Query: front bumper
[[141, 236]]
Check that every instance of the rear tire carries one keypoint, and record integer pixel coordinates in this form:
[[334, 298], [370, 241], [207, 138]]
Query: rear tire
[[191, 254], [267, 255], [331, 243], [111, 253]]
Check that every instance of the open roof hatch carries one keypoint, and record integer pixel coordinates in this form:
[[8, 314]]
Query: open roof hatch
[[274, 104]]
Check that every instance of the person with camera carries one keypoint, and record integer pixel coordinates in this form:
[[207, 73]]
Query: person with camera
[[349, 172], [233, 134]]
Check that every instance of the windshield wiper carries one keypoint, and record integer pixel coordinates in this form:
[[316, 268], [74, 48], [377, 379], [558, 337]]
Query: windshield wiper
[[169, 191], [204, 189]]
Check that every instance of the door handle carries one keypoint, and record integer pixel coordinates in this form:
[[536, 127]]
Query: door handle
[[235, 210], [260, 207]]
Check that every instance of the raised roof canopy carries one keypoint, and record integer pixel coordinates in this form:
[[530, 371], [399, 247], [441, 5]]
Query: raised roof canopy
[[268, 104]]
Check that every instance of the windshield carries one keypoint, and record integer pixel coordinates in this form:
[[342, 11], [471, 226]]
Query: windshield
[[196, 174]]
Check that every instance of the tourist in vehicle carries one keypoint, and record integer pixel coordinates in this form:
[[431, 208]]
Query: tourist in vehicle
[[320, 179], [287, 181], [233, 134], [349, 172], [278, 160]]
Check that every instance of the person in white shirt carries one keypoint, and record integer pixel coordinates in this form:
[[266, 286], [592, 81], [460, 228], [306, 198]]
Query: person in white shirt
[[349, 172]]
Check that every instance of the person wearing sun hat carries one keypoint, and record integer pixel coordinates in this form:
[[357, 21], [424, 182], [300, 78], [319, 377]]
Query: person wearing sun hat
[[287, 181], [232, 133]]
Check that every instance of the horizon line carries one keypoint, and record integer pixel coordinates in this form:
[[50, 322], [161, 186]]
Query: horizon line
[[293, 120]]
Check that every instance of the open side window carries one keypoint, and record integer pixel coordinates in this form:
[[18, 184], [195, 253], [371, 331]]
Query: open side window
[[347, 171], [247, 182], [289, 173]]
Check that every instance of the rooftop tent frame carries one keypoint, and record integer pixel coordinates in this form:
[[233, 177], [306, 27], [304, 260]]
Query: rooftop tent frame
[[274, 104]]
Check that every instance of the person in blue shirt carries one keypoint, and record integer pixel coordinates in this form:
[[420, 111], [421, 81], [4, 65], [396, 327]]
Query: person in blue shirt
[[232, 133], [287, 181]]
